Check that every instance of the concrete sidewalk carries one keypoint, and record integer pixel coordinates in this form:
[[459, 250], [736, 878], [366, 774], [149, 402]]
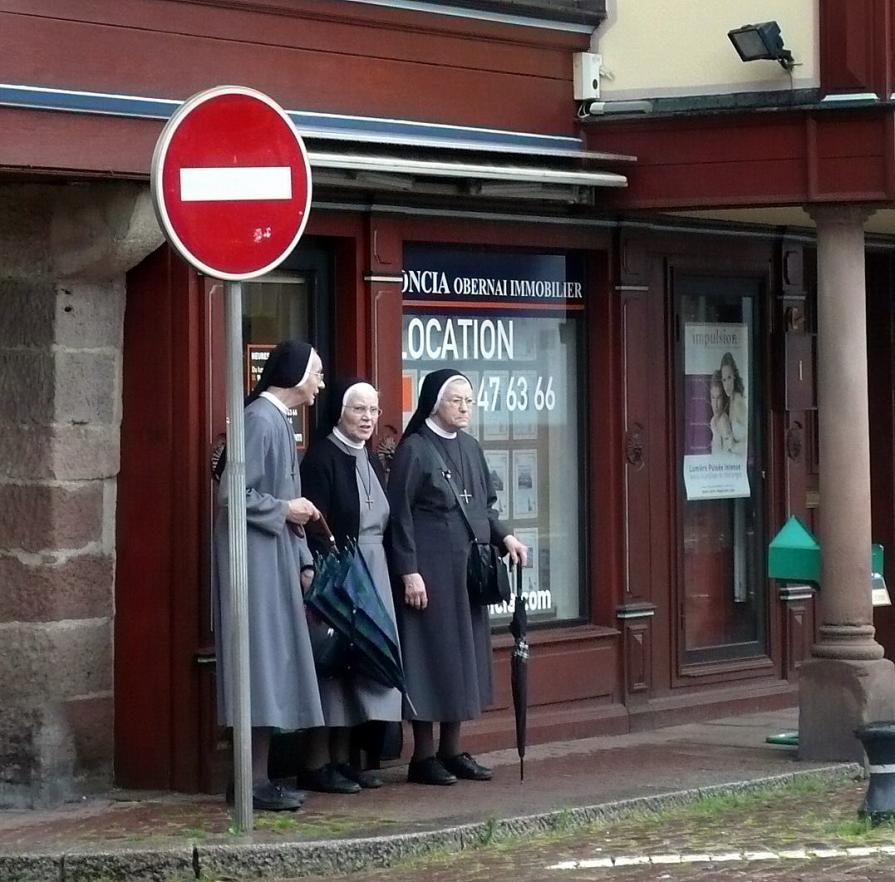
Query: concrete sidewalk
[[134, 835]]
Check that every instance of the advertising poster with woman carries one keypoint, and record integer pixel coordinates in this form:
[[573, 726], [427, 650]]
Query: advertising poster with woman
[[716, 402]]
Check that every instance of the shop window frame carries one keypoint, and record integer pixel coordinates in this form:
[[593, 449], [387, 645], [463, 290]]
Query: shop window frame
[[733, 658]]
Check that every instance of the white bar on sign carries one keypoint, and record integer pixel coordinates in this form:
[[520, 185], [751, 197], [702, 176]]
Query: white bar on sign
[[235, 184]]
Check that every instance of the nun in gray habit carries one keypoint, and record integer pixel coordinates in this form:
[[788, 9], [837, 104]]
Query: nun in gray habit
[[446, 641], [284, 692]]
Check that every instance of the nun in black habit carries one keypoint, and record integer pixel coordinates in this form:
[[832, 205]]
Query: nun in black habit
[[446, 642], [284, 693], [346, 482]]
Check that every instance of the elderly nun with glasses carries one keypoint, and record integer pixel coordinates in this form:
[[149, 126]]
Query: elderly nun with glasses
[[445, 640], [346, 482]]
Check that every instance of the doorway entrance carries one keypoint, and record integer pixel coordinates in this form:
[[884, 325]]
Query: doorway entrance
[[722, 598], [174, 395]]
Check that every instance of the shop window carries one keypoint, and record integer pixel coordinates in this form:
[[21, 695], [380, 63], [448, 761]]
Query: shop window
[[275, 308], [294, 302], [514, 324], [721, 467]]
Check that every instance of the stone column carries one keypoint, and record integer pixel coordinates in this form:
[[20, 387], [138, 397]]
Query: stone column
[[847, 682], [64, 251]]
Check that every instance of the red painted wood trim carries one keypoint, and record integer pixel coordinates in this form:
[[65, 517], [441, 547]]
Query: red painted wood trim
[[189, 535], [144, 587], [155, 14], [605, 445], [385, 255], [218, 38], [751, 159], [75, 144], [812, 180], [309, 62], [855, 46]]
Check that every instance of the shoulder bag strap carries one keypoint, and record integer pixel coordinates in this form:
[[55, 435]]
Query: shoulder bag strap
[[446, 471]]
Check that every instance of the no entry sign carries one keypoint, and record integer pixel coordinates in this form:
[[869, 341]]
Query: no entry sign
[[231, 183]]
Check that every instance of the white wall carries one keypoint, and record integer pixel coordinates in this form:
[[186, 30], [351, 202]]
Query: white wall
[[672, 48]]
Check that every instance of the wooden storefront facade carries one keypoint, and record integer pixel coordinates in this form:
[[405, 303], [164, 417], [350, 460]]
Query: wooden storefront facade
[[668, 614]]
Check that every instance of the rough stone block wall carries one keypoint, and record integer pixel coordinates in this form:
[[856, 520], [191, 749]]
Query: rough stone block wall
[[64, 252]]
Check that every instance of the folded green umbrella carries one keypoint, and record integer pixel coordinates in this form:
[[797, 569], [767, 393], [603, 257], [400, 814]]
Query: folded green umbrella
[[344, 595]]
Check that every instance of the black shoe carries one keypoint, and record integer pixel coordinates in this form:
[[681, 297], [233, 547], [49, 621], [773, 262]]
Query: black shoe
[[464, 766], [429, 771], [326, 779], [296, 795], [366, 779], [269, 797]]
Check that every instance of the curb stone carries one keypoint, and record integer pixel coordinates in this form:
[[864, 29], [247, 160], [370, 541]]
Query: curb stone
[[31, 867], [296, 859], [169, 864]]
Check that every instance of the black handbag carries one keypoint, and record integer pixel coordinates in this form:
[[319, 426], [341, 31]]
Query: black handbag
[[486, 577], [487, 580], [332, 652]]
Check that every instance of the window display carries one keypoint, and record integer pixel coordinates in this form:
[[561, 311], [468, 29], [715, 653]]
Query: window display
[[722, 569], [513, 323], [274, 309]]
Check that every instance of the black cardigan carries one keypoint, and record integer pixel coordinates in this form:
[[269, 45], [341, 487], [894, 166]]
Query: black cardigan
[[328, 480]]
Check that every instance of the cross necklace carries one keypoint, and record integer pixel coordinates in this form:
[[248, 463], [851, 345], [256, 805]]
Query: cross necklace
[[368, 484], [465, 495]]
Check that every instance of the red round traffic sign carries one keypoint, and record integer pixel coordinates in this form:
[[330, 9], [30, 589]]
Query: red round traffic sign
[[231, 182]]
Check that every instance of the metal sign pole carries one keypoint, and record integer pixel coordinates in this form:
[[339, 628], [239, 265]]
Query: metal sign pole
[[240, 702]]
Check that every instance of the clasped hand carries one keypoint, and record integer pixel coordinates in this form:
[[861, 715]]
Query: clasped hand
[[301, 511]]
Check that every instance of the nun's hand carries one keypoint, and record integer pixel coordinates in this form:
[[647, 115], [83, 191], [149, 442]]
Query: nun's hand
[[517, 550], [415, 591], [306, 578], [301, 511]]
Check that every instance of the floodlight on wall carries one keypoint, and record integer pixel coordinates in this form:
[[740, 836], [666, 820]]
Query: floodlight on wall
[[756, 42]]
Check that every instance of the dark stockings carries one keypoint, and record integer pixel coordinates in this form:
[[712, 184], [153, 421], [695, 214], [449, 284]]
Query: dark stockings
[[424, 739]]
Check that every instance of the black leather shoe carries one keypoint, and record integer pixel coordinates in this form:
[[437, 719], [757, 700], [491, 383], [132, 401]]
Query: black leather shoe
[[287, 793], [429, 771], [269, 797], [464, 766], [326, 779], [364, 777]]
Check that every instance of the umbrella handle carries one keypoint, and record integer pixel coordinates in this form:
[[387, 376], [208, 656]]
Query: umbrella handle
[[518, 566], [321, 524]]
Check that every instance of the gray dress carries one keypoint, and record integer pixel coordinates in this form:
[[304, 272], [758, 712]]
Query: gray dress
[[349, 701], [284, 691]]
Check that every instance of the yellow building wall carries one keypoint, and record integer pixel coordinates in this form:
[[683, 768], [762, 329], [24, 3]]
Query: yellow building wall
[[670, 48]]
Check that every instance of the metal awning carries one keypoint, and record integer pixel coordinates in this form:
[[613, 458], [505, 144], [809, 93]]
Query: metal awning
[[393, 154], [474, 171]]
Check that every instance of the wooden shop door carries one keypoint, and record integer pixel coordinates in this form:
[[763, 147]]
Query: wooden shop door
[[174, 406]]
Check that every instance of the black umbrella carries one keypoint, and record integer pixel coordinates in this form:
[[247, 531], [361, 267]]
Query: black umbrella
[[344, 595], [519, 669]]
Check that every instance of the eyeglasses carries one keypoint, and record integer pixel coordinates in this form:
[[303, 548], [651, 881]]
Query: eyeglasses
[[456, 402], [359, 410], [318, 374]]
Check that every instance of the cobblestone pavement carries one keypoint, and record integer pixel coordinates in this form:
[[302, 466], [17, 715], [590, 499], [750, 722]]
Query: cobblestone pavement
[[808, 816]]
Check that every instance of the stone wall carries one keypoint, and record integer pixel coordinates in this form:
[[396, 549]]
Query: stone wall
[[64, 252]]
